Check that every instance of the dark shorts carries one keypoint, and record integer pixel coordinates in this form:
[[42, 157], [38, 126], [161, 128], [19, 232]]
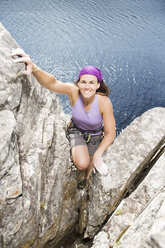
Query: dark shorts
[[76, 138]]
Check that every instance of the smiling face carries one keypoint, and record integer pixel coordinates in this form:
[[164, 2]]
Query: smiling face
[[88, 85]]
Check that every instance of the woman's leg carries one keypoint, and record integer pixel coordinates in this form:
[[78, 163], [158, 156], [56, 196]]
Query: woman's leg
[[89, 169], [81, 160], [80, 156]]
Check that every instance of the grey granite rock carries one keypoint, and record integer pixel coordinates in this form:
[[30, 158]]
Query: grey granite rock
[[136, 235], [39, 201], [126, 158], [156, 235], [131, 207]]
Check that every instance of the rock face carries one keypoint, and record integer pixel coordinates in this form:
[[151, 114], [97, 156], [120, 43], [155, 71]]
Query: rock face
[[139, 220], [127, 158], [136, 154], [39, 201]]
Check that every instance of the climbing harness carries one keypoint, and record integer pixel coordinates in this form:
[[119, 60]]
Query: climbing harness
[[86, 133]]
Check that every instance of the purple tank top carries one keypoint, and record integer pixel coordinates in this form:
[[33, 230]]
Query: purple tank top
[[87, 120]]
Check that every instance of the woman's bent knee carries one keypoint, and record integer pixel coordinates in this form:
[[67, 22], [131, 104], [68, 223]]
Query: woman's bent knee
[[81, 164], [81, 157]]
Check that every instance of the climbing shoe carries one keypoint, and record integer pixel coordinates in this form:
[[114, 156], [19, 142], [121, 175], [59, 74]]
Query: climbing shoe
[[82, 184]]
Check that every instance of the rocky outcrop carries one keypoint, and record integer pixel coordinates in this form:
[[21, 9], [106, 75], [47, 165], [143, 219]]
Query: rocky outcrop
[[136, 154], [128, 157], [139, 219], [39, 201]]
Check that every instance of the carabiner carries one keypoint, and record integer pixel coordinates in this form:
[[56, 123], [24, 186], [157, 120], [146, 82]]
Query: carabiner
[[87, 137]]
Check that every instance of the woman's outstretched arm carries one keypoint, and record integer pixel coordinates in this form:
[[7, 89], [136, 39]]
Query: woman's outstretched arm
[[44, 78]]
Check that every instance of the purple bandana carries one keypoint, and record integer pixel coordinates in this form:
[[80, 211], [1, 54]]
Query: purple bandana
[[91, 70]]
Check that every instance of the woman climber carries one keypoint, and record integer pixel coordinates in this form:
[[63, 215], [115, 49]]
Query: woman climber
[[92, 112]]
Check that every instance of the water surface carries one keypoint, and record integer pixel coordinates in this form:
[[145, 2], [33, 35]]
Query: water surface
[[125, 39]]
